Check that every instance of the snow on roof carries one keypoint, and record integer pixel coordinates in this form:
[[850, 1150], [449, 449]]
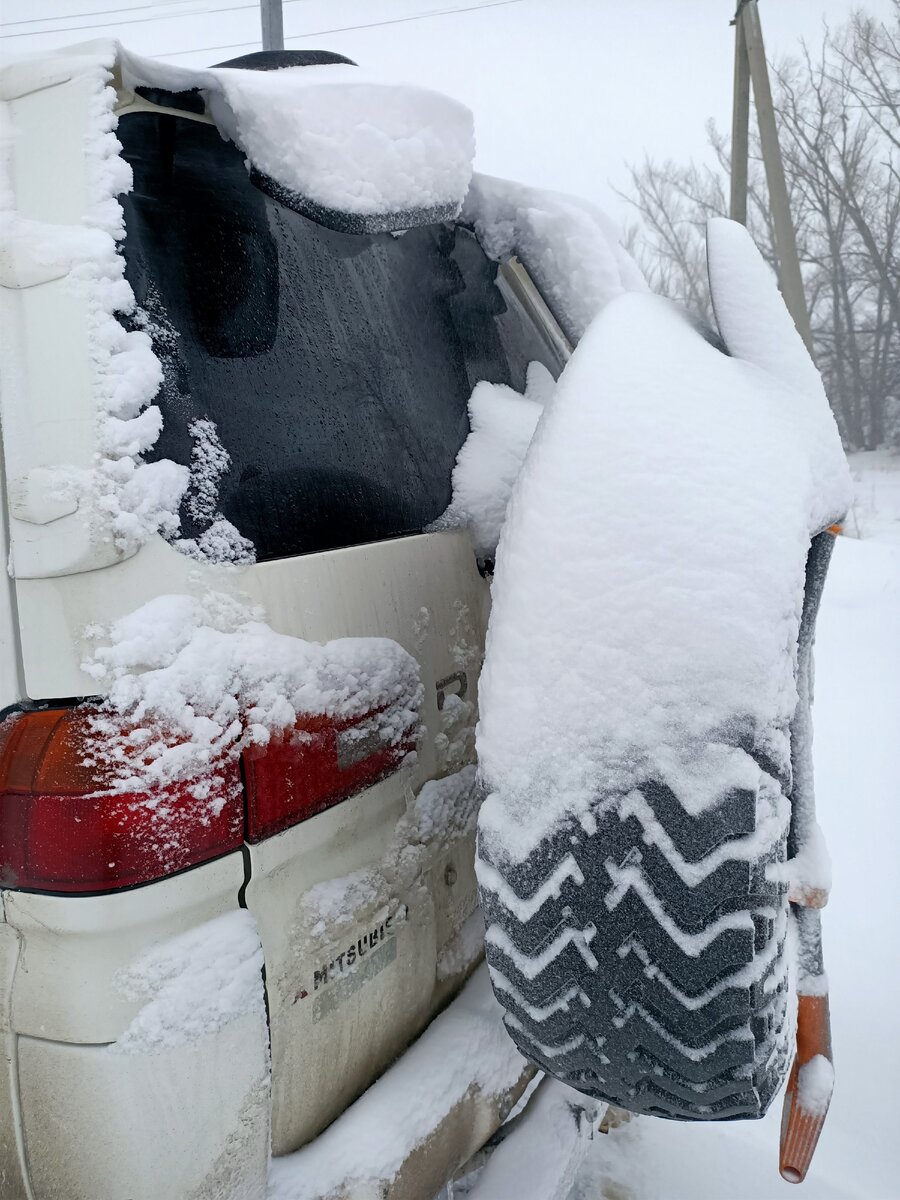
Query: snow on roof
[[650, 574], [336, 135]]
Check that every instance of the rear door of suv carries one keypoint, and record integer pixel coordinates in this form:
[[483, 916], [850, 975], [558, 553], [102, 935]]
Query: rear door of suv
[[334, 370], [316, 383]]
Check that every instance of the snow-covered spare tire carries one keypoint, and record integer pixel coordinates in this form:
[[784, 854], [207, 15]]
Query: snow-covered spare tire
[[639, 696]]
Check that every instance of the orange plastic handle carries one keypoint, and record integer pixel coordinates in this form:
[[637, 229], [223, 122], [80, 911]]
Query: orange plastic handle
[[800, 1128]]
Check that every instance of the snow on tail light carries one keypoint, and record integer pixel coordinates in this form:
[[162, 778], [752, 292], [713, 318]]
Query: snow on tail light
[[317, 764], [61, 832]]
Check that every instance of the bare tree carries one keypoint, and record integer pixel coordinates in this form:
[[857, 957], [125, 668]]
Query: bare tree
[[838, 110]]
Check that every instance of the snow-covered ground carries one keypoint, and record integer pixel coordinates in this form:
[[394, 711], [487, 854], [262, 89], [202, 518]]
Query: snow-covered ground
[[857, 753], [875, 512]]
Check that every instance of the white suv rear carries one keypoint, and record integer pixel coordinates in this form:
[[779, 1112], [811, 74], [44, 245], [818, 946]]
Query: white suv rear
[[316, 382]]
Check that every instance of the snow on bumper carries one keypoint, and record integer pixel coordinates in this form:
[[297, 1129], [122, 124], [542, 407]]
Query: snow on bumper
[[542, 1153], [423, 1118]]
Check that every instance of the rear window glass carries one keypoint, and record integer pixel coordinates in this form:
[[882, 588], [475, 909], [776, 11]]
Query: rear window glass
[[333, 368]]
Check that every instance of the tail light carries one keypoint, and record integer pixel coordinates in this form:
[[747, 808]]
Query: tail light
[[314, 766], [64, 829], [58, 835]]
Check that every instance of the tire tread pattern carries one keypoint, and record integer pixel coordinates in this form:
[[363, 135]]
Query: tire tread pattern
[[670, 999]]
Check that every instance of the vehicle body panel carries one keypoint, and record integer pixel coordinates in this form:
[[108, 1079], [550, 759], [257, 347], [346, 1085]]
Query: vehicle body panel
[[49, 419], [12, 683], [106, 1126], [82, 1121], [65, 986]]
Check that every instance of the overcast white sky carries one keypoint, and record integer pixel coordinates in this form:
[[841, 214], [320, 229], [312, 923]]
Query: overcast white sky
[[564, 91]]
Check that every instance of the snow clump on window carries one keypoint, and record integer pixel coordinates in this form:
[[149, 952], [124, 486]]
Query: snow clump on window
[[502, 425]]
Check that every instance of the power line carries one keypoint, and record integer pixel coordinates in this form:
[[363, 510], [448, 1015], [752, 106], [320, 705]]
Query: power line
[[444, 12], [137, 20], [99, 12], [203, 12]]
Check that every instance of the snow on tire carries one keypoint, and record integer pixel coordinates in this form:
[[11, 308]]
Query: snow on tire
[[644, 722], [629, 983]]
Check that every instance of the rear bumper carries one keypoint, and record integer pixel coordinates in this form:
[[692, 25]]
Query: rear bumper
[[192, 1122], [423, 1119], [189, 1122], [82, 1121]]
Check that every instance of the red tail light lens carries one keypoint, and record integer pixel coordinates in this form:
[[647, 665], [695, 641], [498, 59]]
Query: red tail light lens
[[316, 765], [57, 836], [64, 829]]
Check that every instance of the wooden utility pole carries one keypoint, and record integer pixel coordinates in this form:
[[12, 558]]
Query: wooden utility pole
[[272, 24], [740, 125], [750, 65], [800, 1126]]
